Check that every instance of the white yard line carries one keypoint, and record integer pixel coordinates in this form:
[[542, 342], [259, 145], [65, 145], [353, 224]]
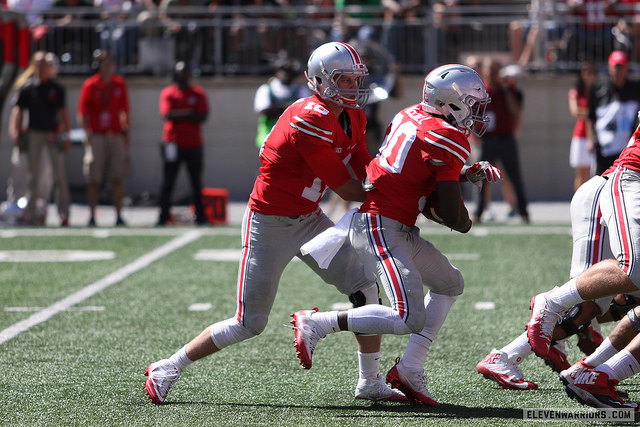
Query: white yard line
[[98, 286]]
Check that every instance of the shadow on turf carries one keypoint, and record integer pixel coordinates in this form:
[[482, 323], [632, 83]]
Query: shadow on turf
[[443, 411]]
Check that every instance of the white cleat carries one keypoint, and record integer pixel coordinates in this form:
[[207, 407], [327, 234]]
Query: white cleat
[[307, 336], [544, 317], [495, 366], [568, 376], [376, 390], [162, 375], [412, 384]]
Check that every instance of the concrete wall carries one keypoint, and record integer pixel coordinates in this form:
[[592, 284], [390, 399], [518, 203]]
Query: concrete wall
[[231, 156]]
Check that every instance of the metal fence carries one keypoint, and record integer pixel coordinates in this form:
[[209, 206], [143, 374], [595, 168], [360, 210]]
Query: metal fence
[[245, 40]]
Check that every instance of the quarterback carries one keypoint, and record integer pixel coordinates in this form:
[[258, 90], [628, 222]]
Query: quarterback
[[418, 170], [305, 153]]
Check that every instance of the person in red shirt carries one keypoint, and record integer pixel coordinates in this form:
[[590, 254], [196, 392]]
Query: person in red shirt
[[304, 155], [103, 111], [184, 107], [422, 156]]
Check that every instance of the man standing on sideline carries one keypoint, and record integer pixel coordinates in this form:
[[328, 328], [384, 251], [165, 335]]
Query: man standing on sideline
[[305, 154], [184, 108], [103, 111]]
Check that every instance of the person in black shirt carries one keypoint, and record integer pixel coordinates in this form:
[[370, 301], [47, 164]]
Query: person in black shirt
[[48, 126]]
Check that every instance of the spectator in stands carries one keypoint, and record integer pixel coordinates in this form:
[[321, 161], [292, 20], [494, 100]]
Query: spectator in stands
[[613, 110], [74, 37], [405, 41], [590, 38], [103, 111], [499, 142], [184, 107], [44, 100], [274, 96], [581, 156], [31, 8]]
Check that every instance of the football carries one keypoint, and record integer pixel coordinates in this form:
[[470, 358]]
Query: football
[[432, 208]]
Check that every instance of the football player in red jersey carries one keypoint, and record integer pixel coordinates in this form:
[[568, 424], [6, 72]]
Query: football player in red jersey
[[424, 151], [305, 153]]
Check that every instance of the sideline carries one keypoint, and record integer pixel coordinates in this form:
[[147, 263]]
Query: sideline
[[102, 284]]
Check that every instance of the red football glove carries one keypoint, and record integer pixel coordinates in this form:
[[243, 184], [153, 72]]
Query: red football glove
[[483, 171]]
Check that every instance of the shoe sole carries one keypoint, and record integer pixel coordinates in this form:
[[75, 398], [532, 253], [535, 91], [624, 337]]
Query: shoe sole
[[485, 372], [589, 399], [385, 399], [395, 382]]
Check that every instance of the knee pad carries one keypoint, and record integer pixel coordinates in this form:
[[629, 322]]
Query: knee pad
[[619, 310], [567, 324], [633, 318], [229, 332], [366, 296]]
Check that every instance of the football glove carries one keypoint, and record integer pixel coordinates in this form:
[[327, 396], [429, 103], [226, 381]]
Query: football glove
[[482, 171]]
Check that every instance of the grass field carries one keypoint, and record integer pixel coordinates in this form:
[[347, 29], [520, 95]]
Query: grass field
[[77, 334]]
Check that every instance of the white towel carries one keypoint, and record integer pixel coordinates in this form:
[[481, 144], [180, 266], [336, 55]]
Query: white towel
[[326, 245]]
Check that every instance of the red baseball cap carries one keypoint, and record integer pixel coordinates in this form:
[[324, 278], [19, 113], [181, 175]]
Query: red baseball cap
[[618, 57]]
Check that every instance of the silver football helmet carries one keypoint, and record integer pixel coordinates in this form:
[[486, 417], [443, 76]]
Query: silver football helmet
[[459, 94], [327, 64]]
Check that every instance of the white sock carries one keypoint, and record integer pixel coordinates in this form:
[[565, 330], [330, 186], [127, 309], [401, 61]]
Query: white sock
[[327, 322], [437, 307], [604, 352], [180, 358], [566, 296], [518, 349], [369, 364], [621, 366]]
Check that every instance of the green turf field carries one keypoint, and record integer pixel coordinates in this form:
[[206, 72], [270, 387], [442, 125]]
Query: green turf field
[[76, 335]]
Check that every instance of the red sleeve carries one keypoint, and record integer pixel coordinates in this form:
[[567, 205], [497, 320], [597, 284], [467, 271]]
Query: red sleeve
[[82, 100], [164, 102]]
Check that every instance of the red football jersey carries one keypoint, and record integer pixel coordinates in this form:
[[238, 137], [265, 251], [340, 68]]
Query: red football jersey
[[103, 102], [418, 150], [185, 133], [305, 153]]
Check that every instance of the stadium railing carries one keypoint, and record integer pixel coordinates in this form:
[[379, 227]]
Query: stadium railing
[[244, 40]]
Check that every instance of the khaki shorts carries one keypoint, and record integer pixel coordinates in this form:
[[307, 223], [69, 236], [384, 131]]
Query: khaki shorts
[[105, 154]]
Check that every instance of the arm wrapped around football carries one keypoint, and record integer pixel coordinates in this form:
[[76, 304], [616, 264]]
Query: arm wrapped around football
[[432, 208], [482, 171]]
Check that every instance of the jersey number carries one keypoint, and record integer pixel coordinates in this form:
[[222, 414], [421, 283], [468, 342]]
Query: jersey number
[[396, 145]]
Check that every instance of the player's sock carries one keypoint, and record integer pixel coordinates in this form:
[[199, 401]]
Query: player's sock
[[518, 349], [180, 358], [565, 296], [327, 321], [437, 307], [621, 366], [369, 364], [604, 352]]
